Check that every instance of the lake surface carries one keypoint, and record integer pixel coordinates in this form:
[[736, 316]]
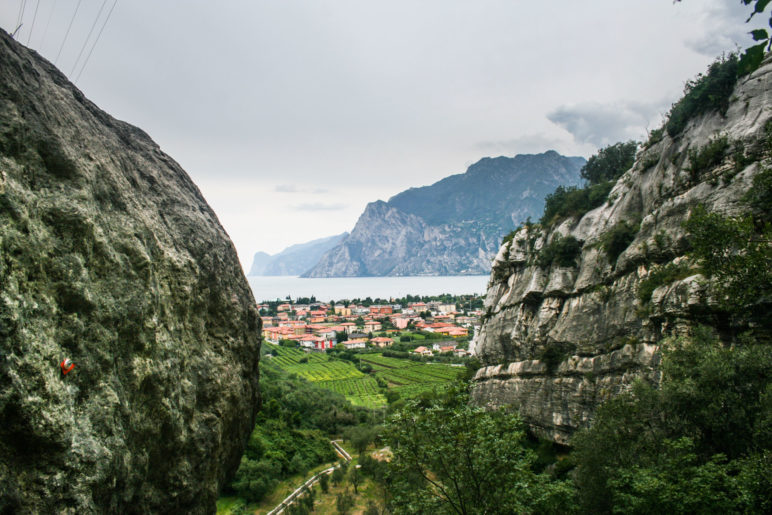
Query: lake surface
[[272, 288]]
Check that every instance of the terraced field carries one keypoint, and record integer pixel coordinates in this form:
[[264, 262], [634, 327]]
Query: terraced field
[[409, 378]]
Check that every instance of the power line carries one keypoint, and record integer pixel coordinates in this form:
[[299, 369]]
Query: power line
[[20, 16], [48, 23], [32, 27], [80, 54], [68, 32], [96, 41]]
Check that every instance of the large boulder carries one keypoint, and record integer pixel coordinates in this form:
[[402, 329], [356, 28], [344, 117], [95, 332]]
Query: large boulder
[[110, 256]]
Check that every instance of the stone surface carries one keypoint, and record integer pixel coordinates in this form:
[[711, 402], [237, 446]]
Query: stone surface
[[453, 227], [592, 311], [110, 256]]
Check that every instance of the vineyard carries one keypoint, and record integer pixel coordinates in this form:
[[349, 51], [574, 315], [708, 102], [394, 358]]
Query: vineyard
[[408, 378]]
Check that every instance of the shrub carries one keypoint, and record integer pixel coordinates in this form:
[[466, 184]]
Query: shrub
[[563, 250], [661, 276], [709, 92], [552, 356], [573, 201], [616, 240], [759, 197], [610, 162], [704, 158]]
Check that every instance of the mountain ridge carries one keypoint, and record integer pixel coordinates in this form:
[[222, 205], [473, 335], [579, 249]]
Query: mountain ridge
[[453, 226]]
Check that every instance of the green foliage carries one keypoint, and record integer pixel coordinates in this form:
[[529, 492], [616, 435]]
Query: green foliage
[[450, 457], [552, 356], [324, 482], [610, 162], [759, 196], [707, 157], [706, 93], [276, 451], [573, 201], [562, 251], [659, 276], [655, 136], [737, 252], [692, 445], [618, 238]]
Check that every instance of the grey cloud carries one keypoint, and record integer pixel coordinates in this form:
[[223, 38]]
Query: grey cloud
[[726, 29], [528, 143], [291, 188], [316, 206], [603, 124]]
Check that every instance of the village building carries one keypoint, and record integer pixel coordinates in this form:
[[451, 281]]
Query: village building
[[424, 351], [372, 326], [382, 341], [355, 344]]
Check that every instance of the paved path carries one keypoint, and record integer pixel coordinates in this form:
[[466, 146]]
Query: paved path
[[294, 495]]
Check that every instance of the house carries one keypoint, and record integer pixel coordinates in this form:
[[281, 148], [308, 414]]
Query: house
[[349, 327], [342, 310], [461, 352], [311, 341], [372, 326], [355, 344], [382, 341], [446, 308], [377, 309], [444, 346], [400, 322], [424, 351]]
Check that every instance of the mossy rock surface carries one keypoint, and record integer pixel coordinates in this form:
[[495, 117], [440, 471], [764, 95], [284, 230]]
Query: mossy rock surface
[[110, 256]]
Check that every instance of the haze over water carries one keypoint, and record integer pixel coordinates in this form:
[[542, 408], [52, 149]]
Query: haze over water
[[324, 289]]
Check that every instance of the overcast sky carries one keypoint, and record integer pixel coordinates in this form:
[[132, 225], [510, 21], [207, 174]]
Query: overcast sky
[[292, 115]]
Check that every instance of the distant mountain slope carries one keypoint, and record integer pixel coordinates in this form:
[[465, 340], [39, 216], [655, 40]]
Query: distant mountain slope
[[294, 260], [453, 227]]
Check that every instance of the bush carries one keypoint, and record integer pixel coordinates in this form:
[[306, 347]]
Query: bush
[[610, 162], [562, 250], [759, 197], [661, 276], [573, 201], [710, 92], [692, 445], [616, 240], [552, 356], [704, 158]]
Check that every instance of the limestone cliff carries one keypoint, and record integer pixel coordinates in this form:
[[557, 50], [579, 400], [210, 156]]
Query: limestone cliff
[[452, 227], [110, 256], [558, 340]]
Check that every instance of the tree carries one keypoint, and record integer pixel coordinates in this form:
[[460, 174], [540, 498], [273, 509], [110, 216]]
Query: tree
[[324, 482], [610, 162], [344, 502], [454, 458], [693, 445], [355, 478]]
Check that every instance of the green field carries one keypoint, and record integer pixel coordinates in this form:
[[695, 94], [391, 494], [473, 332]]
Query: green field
[[408, 378]]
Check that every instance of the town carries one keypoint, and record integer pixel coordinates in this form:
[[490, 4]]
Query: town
[[450, 323]]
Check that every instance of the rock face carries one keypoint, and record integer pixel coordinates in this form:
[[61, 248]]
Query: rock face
[[111, 257], [558, 340], [295, 259], [453, 227]]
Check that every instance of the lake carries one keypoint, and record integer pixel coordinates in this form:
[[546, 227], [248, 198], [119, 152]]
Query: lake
[[278, 287]]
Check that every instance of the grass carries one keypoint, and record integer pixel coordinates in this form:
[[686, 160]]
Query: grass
[[409, 378]]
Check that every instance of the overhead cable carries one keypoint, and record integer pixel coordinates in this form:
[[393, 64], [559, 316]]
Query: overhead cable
[[34, 17], [48, 23], [20, 16], [85, 42], [61, 47], [110, 12]]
